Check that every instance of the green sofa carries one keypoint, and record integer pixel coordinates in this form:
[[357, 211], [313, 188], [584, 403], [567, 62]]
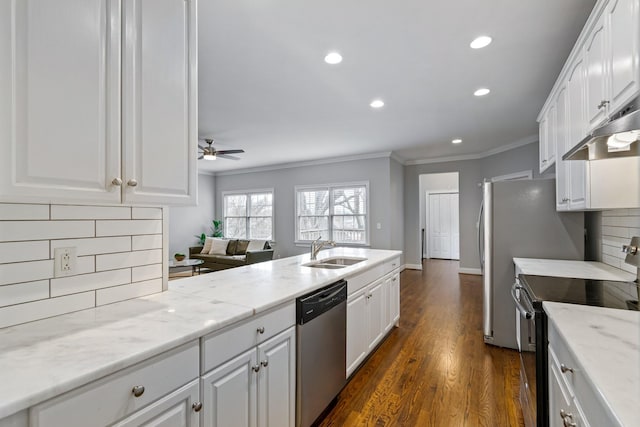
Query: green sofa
[[236, 255]]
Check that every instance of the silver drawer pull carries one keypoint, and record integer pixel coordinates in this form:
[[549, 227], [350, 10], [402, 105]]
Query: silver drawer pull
[[197, 406], [255, 368], [265, 363], [132, 183], [138, 390], [564, 368], [260, 330], [117, 182]]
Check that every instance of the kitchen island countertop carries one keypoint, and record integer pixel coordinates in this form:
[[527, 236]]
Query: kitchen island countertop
[[43, 359]]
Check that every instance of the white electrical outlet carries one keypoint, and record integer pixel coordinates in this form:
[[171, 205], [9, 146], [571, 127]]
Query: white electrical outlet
[[378, 226], [64, 261]]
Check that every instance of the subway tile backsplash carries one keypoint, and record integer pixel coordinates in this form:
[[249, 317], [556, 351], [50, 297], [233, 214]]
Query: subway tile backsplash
[[618, 226], [119, 256]]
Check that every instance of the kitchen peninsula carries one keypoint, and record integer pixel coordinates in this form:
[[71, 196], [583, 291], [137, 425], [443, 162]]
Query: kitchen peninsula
[[94, 354]]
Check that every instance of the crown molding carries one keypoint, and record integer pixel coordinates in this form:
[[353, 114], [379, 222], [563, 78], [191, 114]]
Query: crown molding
[[520, 143], [387, 154]]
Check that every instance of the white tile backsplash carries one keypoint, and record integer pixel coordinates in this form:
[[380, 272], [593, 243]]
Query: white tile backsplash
[[119, 251], [618, 227]]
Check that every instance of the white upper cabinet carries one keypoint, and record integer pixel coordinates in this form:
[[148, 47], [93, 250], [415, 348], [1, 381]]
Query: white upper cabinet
[[623, 23], [595, 58], [98, 101], [548, 138], [576, 131], [562, 167]]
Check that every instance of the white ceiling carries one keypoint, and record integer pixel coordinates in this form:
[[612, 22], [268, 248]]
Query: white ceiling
[[264, 86]]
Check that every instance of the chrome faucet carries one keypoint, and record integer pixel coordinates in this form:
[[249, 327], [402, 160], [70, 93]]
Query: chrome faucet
[[318, 244]]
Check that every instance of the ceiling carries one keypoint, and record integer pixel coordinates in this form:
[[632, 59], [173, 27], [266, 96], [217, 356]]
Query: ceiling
[[264, 86]]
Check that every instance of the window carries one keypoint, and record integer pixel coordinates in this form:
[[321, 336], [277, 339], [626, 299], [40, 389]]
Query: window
[[248, 215], [336, 212]]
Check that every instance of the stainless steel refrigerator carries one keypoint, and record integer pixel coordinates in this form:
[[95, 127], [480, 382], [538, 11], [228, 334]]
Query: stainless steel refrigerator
[[519, 219]]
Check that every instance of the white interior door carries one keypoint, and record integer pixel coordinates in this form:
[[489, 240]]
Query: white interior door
[[444, 234]]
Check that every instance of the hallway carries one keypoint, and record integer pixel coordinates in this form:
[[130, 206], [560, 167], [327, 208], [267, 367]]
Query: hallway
[[434, 370]]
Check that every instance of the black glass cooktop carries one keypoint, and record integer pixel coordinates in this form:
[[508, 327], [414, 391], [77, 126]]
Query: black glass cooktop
[[599, 293]]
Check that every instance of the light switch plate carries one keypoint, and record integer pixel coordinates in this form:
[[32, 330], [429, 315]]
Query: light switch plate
[[64, 262]]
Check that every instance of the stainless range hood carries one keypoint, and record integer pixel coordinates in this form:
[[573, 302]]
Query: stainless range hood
[[617, 138]]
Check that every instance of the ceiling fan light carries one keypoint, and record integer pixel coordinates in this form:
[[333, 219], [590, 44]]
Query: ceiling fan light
[[209, 156]]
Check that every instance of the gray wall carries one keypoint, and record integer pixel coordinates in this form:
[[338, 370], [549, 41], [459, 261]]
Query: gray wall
[[377, 171], [396, 206], [471, 175], [188, 221]]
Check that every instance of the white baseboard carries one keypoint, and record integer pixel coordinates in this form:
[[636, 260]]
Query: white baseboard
[[474, 271], [412, 266]]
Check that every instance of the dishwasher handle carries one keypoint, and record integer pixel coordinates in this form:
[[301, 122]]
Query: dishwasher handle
[[312, 305]]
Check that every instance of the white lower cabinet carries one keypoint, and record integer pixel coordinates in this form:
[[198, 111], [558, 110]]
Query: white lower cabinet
[[151, 393], [256, 387], [371, 312]]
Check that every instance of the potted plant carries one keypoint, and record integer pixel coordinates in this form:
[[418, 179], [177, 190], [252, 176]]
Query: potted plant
[[215, 229], [179, 256]]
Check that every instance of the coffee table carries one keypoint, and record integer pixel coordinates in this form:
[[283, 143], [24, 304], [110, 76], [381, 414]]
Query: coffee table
[[193, 263]]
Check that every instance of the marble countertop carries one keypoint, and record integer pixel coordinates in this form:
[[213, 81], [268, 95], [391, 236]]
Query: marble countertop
[[575, 269], [606, 343], [43, 359]]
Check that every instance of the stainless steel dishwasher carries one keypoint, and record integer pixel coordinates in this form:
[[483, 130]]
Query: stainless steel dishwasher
[[321, 335]]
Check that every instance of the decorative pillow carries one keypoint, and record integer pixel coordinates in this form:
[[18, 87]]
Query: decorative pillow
[[241, 247], [218, 247], [231, 247], [207, 245], [256, 245]]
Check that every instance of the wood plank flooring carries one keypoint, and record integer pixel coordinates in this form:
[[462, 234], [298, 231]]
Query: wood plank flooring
[[434, 370]]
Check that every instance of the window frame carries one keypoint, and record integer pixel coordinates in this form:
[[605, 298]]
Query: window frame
[[331, 187], [248, 194]]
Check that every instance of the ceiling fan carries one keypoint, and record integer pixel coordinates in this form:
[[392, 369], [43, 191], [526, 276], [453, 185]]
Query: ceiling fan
[[210, 153]]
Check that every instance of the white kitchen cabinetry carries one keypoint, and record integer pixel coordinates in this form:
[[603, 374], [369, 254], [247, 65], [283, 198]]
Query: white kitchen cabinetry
[[99, 103], [256, 387], [562, 166], [372, 310], [547, 139], [152, 392], [596, 70], [576, 131]]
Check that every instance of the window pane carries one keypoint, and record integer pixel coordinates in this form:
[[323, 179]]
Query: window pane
[[312, 227], [261, 204], [235, 228], [260, 228], [313, 202], [350, 229], [235, 205], [350, 201]]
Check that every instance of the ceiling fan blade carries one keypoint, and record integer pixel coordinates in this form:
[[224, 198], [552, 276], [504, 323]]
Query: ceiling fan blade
[[229, 151], [226, 156], [201, 157], [201, 147]]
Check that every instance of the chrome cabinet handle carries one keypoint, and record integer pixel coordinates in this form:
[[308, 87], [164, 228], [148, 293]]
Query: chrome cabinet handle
[[117, 182], [264, 363], [602, 104], [138, 390], [197, 406], [255, 368], [564, 368], [544, 161], [260, 330], [132, 183]]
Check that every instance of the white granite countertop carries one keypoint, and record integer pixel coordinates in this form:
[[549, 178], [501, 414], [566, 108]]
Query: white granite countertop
[[606, 343], [575, 269], [43, 359]]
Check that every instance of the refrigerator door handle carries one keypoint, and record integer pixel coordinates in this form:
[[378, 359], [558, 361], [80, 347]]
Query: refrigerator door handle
[[479, 226], [487, 270]]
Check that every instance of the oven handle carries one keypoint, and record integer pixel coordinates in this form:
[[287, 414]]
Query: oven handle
[[521, 308]]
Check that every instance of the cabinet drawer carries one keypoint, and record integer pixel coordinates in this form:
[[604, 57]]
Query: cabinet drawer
[[361, 280], [219, 347], [111, 398], [563, 359]]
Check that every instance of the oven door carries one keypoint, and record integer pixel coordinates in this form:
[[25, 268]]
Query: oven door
[[526, 338]]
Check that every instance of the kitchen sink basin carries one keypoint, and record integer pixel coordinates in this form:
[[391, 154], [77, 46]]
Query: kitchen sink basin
[[327, 266], [342, 261]]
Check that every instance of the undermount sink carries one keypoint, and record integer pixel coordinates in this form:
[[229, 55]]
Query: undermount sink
[[334, 263]]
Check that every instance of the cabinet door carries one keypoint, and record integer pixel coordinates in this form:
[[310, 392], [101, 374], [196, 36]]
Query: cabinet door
[[394, 299], [277, 380], [623, 18], [386, 305], [230, 392], [562, 166], [160, 102], [558, 398], [577, 131], [375, 314], [356, 330], [543, 134], [174, 410], [59, 100], [596, 75]]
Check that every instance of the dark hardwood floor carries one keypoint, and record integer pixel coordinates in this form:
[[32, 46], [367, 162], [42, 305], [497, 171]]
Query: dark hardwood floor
[[434, 370]]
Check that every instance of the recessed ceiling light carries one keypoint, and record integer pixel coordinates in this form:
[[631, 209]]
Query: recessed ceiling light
[[480, 42], [481, 92], [456, 141], [377, 103], [333, 58]]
